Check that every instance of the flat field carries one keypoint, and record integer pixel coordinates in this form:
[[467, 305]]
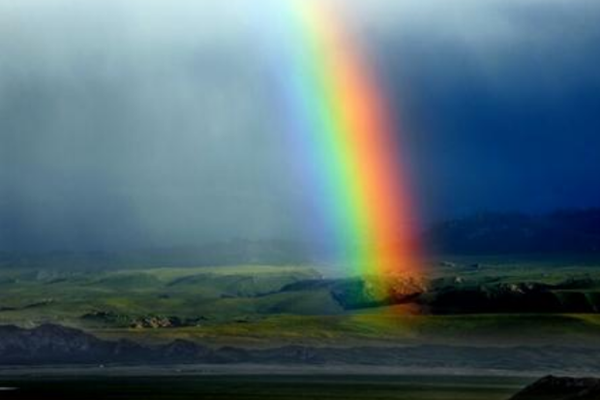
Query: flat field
[[302, 387]]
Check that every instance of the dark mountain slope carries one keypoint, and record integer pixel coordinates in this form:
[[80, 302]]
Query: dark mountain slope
[[556, 388], [56, 345], [573, 231]]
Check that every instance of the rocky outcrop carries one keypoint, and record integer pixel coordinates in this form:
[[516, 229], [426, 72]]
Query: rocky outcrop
[[458, 297], [140, 322]]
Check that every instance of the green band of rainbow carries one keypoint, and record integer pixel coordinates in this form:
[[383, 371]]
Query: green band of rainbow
[[343, 130]]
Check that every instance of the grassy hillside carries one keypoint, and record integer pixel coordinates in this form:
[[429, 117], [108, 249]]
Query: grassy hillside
[[117, 298], [462, 300], [381, 328]]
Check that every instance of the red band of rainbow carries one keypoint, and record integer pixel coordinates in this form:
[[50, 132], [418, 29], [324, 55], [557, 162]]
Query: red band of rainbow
[[348, 143]]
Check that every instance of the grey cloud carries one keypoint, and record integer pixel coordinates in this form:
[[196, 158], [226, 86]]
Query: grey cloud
[[155, 123]]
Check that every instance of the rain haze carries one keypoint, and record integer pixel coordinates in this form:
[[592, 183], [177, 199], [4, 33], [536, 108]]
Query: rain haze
[[127, 124]]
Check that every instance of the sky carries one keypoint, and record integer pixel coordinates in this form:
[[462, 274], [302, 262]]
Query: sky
[[149, 123]]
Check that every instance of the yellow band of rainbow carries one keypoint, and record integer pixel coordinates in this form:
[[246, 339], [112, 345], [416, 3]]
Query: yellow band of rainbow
[[350, 144]]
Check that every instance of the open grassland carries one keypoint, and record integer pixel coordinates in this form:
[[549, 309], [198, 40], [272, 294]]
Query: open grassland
[[484, 330], [221, 293], [269, 305]]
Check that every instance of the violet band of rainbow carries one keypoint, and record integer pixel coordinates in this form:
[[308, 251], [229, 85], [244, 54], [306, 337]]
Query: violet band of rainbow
[[344, 136]]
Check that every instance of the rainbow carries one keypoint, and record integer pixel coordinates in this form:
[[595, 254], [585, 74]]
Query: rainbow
[[344, 139]]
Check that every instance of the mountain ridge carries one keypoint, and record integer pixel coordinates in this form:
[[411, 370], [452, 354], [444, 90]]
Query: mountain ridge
[[51, 344]]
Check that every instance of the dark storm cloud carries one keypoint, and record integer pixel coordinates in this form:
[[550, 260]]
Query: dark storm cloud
[[499, 103], [151, 123]]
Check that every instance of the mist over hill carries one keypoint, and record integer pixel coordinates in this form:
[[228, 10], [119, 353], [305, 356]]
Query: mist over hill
[[560, 232]]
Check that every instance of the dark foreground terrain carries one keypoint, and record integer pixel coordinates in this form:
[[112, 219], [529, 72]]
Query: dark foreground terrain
[[561, 388], [303, 387], [306, 386]]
